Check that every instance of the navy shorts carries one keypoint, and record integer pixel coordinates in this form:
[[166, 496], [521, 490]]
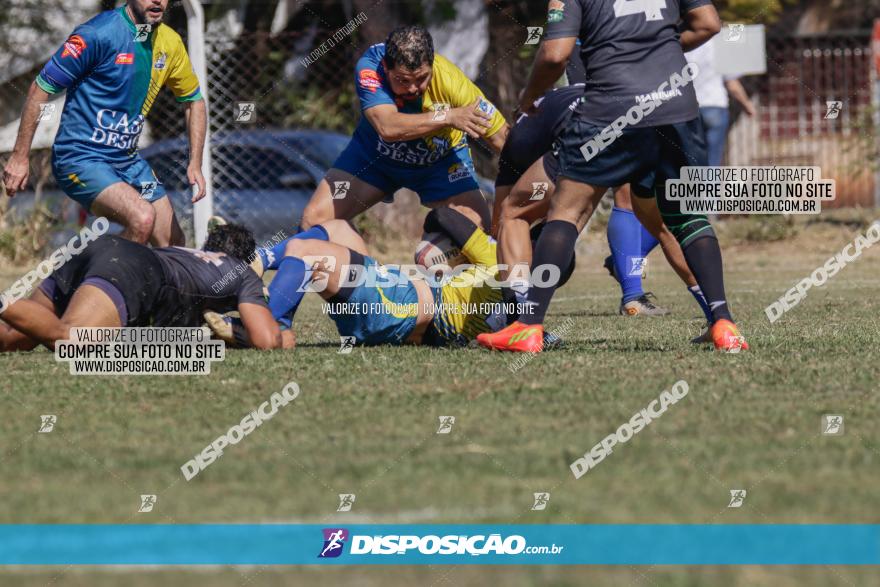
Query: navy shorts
[[643, 157], [530, 139], [450, 176]]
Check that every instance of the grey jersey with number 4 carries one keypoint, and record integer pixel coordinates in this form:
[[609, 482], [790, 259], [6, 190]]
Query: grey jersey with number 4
[[629, 49], [200, 280]]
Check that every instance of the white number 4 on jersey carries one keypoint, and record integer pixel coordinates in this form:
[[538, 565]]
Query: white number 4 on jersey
[[651, 8]]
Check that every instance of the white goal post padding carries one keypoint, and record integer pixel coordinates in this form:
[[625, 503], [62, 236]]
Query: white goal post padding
[[195, 26]]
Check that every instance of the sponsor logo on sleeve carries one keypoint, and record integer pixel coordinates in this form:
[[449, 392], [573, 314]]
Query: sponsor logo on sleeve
[[73, 47], [556, 11], [160, 61], [486, 107], [369, 80], [125, 58]]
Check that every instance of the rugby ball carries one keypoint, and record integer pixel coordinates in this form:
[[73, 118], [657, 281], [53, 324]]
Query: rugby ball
[[438, 249]]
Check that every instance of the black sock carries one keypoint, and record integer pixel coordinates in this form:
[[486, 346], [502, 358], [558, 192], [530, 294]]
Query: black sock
[[508, 298], [555, 247], [703, 256]]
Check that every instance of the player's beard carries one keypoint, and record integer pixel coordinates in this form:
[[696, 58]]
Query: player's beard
[[146, 16]]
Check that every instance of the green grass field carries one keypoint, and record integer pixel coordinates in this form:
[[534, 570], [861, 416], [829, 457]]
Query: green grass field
[[366, 423]]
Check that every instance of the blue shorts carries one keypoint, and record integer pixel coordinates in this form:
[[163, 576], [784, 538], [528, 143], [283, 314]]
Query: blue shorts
[[450, 176], [84, 180], [373, 313], [644, 157]]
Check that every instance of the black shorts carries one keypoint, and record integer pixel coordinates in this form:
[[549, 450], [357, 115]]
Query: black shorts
[[643, 157], [131, 268], [530, 139]]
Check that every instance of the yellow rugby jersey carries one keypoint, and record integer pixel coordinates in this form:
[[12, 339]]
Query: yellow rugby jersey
[[449, 88], [467, 304]]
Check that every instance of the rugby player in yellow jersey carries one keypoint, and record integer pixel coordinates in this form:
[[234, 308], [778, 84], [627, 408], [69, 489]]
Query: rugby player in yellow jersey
[[384, 304], [418, 110]]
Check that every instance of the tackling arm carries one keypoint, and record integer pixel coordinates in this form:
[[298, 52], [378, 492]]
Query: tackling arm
[[393, 126], [262, 330]]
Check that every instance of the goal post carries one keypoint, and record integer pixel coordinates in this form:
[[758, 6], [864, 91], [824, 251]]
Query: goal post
[[195, 26]]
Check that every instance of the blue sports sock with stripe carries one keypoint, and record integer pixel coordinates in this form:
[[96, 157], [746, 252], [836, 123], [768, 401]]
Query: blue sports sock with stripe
[[648, 241], [272, 256], [624, 240], [287, 289]]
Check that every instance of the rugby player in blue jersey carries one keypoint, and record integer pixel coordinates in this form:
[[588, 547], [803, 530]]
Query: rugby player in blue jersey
[[418, 110], [112, 68]]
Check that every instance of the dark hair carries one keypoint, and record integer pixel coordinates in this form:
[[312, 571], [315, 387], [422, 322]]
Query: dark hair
[[233, 239], [409, 46]]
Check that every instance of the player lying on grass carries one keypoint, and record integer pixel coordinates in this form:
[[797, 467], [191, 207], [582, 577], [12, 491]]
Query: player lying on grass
[[526, 181], [417, 112], [384, 305], [112, 68], [637, 123], [115, 282]]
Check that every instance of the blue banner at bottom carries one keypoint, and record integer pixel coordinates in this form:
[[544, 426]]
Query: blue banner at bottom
[[404, 544]]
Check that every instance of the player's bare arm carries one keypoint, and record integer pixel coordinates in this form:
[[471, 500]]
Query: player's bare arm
[[262, 330], [738, 93], [16, 172], [548, 67], [703, 23], [197, 125], [393, 126], [497, 140]]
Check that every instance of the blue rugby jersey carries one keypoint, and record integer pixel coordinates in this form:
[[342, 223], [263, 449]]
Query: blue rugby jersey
[[113, 70]]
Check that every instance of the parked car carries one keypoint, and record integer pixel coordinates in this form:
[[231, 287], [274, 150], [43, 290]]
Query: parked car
[[262, 179]]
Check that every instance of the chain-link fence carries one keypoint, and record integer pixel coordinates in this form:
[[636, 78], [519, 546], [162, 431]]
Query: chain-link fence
[[816, 106], [281, 109]]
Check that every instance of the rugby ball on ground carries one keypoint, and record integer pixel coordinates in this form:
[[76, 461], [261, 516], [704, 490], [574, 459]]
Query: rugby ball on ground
[[438, 249]]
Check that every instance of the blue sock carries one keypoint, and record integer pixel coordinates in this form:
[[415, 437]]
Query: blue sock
[[287, 289], [272, 256], [701, 299], [648, 242], [624, 239]]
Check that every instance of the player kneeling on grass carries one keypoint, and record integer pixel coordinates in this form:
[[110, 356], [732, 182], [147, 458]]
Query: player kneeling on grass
[[115, 282], [379, 304]]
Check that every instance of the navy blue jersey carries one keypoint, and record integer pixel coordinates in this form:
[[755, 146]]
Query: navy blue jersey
[[630, 49]]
